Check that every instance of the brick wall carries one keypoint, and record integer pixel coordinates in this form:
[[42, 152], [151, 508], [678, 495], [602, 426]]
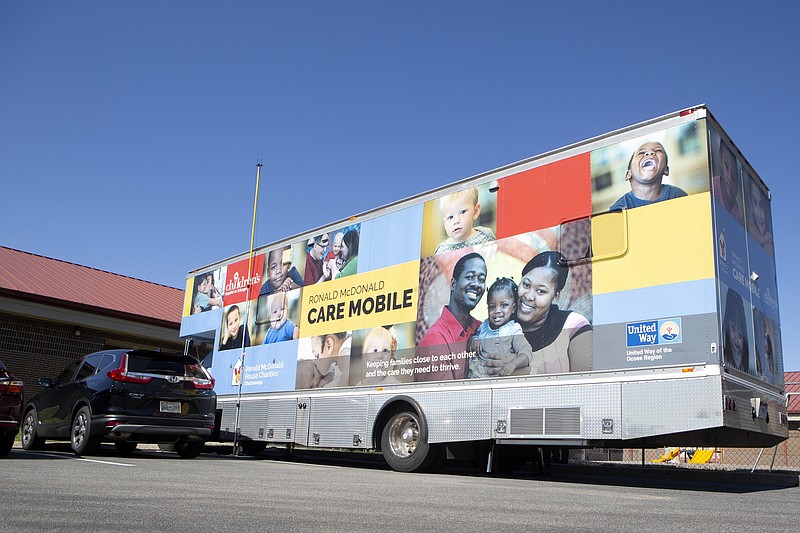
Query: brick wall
[[33, 348]]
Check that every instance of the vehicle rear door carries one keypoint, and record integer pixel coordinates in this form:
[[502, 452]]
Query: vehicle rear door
[[169, 386]]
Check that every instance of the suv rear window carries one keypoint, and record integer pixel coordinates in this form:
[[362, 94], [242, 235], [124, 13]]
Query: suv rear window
[[165, 365]]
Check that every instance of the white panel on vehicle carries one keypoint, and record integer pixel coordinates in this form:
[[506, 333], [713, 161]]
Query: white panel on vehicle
[[670, 406], [281, 420], [339, 422], [564, 411], [253, 418], [228, 421], [457, 415]]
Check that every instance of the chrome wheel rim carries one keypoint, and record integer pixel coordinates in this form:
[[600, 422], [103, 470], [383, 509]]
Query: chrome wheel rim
[[79, 429], [404, 436], [27, 429]]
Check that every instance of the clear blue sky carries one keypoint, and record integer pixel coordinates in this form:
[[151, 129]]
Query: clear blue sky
[[129, 131]]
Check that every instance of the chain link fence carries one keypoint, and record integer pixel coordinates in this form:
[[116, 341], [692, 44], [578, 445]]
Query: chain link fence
[[784, 456]]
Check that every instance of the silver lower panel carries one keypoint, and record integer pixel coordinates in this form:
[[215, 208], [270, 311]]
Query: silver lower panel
[[228, 422], [281, 420], [557, 411], [562, 408], [253, 419], [339, 422], [670, 406]]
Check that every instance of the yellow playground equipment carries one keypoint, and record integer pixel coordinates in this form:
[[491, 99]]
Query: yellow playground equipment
[[700, 456], [668, 455]]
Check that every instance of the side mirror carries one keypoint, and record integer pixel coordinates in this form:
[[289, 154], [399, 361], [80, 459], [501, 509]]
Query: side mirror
[[46, 382]]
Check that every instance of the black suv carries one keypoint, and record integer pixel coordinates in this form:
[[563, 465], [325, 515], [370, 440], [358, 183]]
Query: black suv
[[10, 403], [126, 397]]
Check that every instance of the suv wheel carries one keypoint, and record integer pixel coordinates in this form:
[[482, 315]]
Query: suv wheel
[[189, 449], [6, 442], [31, 441], [81, 438], [253, 449], [124, 447]]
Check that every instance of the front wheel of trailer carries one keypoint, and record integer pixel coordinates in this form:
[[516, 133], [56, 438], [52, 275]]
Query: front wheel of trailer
[[404, 444]]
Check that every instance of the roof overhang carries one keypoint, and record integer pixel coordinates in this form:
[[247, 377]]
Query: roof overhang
[[101, 319]]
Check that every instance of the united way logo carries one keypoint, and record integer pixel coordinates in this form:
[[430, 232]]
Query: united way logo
[[669, 331], [652, 332]]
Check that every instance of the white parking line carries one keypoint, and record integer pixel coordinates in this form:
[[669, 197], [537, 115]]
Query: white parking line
[[67, 455], [310, 465], [103, 462]]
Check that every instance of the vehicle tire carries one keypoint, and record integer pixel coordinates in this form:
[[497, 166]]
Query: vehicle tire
[[404, 444], [189, 449], [252, 448], [6, 443], [125, 448], [81, 439], [30, 440]]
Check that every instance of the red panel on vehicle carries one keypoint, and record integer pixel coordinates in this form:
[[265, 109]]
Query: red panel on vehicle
[[545, 196]]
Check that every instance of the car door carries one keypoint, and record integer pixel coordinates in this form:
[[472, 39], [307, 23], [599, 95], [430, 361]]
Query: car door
[[68, 393], [49, 403]]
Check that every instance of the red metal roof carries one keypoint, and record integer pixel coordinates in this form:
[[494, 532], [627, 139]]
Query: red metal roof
[[34, 277], [792, 381]]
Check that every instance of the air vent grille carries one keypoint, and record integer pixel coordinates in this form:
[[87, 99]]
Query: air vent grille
[[549, 421]]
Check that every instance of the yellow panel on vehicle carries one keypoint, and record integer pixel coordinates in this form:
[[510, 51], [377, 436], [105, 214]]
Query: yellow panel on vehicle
[[609, 235], [187, 297], [375, 298], [667, 242]]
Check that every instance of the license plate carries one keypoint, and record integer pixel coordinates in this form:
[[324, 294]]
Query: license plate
[[170, 407]]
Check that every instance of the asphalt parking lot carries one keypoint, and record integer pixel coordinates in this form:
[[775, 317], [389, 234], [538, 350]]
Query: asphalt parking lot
[[670, 475], [152, 490]]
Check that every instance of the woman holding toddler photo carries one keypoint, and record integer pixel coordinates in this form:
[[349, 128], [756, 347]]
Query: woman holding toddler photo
[[562, 337]]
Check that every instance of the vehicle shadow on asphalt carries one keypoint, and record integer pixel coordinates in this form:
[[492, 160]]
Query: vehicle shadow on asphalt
[[106, 451], [670, 478], [654, 477]]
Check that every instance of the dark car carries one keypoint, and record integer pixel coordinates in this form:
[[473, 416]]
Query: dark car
[[10, 404], [125, 397]]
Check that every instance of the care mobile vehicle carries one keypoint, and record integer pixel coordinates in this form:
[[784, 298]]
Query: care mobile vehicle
[[644, 296]]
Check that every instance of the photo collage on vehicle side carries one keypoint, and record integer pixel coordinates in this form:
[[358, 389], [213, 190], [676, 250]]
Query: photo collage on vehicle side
[[491, 279]]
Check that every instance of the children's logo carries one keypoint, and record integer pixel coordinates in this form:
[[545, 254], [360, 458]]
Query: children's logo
[[667, 331]]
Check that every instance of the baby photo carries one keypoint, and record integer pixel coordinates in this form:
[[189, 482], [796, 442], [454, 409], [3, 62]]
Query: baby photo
[[459, 220]]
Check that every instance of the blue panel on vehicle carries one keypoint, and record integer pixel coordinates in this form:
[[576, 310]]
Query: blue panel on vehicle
[[265, 368], [652, 303], [391, 239]]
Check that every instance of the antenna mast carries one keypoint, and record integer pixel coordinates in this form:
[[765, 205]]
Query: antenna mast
[[259, 164]]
